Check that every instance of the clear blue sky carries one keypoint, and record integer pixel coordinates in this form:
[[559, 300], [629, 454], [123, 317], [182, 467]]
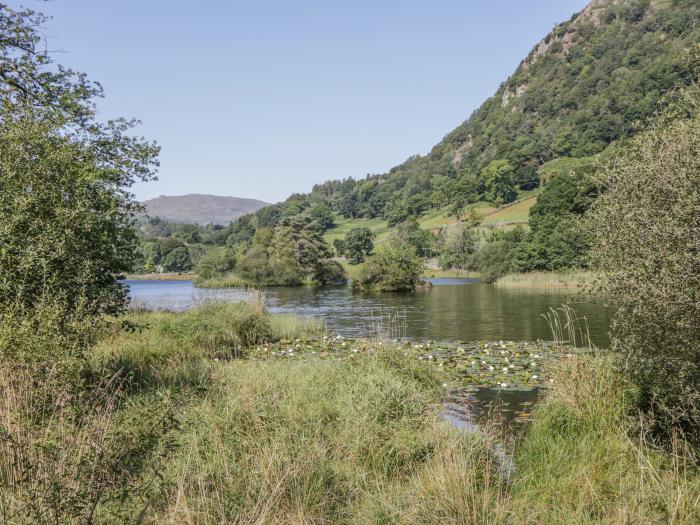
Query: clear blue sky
[[265, 98]]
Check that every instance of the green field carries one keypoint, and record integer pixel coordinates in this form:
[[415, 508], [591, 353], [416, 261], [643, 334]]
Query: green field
[[516, 213], [434, 220]]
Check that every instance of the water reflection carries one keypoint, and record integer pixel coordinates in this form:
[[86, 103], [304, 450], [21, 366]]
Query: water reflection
[[453, 310]]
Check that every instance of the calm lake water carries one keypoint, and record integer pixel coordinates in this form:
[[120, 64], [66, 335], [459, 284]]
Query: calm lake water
[[452, 310]]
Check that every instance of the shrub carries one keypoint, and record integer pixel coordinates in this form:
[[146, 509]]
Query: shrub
[[216, 262], [220, 329], [646, 226], [496, 256], [329, 272], [259, 268], [395, 269]]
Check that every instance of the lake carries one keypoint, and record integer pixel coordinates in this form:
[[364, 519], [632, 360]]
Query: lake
[[452, 310]]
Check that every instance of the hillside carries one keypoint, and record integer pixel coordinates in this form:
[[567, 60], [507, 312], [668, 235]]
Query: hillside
[[201, 209], [590, 82]]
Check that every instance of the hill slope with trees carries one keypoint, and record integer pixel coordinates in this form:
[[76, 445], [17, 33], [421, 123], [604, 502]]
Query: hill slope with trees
[[591, 84]]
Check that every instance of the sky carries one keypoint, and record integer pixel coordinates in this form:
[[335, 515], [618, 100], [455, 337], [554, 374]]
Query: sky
[[265, 98]]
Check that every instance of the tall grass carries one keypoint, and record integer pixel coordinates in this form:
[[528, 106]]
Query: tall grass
[[585, 459], [328, 442], [569, 280], [169, 422], [229, 280], [74, 447]]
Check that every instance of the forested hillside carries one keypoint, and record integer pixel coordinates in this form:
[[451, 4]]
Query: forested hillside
[[591, 81], [502, 192]]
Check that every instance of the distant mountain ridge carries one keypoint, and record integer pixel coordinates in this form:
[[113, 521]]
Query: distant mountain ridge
[[197, 208]]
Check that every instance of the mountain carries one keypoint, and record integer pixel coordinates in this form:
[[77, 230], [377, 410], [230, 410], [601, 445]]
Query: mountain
[[196, 208]]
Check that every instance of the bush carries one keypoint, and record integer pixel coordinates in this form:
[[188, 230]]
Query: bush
[[259, 268], [396, 269], [329, 272], [496, 257], [646, 226], [216, 262]]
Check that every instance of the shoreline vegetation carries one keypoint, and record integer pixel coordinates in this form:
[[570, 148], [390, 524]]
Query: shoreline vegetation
[[165, 276], [570, 280], [575, 281], [265, 418]]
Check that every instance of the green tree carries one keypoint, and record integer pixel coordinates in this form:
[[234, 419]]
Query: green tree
[[188, 233], [459, 245], [150, 266], [646, 228], [359, 243], [322, 214], [497, 255], [339, 247], [499, 182], [409, 233], [217, 261], [66, 213], [178, 260], [393, 269], [556, 239]]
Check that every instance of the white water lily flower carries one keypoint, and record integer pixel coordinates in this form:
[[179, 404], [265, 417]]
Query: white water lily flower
[[491, 368], [444, 385], [534, 377], [504, 385], [505, 370]]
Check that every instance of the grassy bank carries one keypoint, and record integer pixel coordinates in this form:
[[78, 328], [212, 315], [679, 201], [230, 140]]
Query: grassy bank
[[168, 276], [575, 280], [222, 281], [227, 414], [450, 274]]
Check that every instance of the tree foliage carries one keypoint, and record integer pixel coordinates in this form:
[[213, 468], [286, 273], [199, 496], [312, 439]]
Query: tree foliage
[[646, 226], [395, 268], [499, 183], [458, 246], [65, 209], [358, 245]]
